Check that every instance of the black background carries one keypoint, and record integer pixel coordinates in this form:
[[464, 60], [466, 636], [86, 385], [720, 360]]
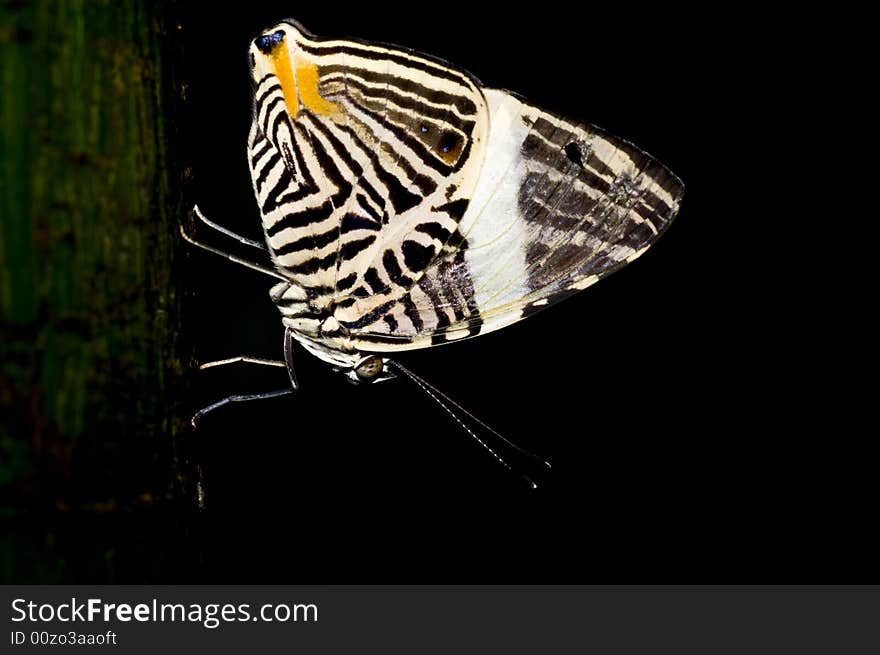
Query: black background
[[675, 399]]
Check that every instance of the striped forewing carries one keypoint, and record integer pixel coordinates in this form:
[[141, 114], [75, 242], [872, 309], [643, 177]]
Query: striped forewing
[[377, 177]]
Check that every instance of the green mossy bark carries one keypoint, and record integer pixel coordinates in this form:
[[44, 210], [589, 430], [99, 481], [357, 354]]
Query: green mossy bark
[[89, 307]]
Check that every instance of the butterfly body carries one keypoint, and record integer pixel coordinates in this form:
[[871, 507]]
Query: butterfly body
[[407, 206]]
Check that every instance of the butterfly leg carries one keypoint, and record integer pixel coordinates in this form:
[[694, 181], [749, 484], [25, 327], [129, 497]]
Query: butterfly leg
[[219, 228], [243, 359], [233, 258], [238, 398], [288, 357], [288, 363]]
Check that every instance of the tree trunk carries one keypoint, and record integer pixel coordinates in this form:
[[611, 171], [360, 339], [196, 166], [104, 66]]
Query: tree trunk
[[91, 353]]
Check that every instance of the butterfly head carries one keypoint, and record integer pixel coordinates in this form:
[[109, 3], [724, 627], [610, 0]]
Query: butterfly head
[[357, 367], [369, 369]]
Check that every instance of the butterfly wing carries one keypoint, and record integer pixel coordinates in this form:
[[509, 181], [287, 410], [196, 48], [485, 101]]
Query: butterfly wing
[[559, 206], [376, 153], [408, 206], [426, 126]]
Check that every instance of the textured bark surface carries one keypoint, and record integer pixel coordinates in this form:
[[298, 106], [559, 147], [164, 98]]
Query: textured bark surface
[[89, 303]]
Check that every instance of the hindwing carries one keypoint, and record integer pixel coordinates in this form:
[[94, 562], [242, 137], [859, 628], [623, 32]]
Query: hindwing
[[559, 206]]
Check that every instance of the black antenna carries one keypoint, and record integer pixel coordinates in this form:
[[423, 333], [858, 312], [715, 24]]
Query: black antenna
[[459, 413]]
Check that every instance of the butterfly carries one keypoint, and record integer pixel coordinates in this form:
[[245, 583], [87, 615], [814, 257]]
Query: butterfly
[[405, 206]]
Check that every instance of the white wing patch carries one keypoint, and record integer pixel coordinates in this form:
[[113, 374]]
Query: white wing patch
[[492, 224]]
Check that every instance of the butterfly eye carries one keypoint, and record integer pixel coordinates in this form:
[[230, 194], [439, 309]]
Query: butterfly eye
[[369, 368]]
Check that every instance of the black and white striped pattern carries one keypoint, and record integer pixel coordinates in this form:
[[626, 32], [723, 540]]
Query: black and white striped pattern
[[408, 206]]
